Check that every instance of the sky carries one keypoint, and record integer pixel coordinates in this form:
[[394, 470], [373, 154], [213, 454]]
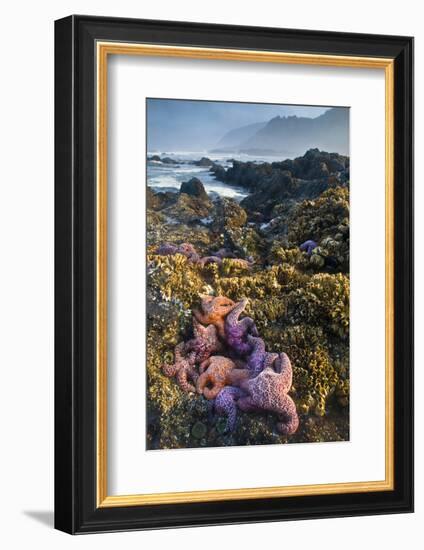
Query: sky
[[186, 125]]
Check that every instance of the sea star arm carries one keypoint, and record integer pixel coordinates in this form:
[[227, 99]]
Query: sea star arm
[[170, 370], [269, 360], [248, 326], [202, 385], [225, 404], [200, 317], [204, 365], [256, 358], [288, 418], [284, 368], [179, 352], [233, 316], [183, 382], [246, 404], [198, 329], [209, 260], [192, 372], [237, 376]]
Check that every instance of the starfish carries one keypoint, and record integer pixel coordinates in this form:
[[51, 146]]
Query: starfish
[[308, 246], [204, 344], [183, 369], [214, 372], [236, 331], [259, 359], [166, 249], [187, 354], [214, 309], [186, 249], [189, 251], [268, 391], [225, 404], [224, 253], [209, 260]]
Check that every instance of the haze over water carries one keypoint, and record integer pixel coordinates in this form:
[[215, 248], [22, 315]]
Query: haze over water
[[187, 130]]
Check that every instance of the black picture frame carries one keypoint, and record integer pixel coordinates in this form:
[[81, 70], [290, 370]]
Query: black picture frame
[[76, 508]]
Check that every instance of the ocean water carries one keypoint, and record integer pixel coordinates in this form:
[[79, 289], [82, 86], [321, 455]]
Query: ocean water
[[168, 177]]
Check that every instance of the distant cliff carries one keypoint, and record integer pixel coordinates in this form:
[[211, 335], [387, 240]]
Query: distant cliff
[[234, 138], [285, 135]]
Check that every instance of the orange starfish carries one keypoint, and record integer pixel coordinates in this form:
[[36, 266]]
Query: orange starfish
[[215, 371], [214, 311]]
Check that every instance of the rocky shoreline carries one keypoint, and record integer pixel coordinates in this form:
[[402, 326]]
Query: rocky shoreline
[[297, 296]]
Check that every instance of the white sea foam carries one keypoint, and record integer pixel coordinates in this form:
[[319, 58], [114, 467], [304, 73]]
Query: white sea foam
[[170, 176]]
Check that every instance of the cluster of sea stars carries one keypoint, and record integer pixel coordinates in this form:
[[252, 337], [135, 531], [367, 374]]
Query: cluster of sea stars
[[228, 364]]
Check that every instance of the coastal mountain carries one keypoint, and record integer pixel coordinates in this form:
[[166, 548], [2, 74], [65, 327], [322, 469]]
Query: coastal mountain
[[291, 135], [235, 137]]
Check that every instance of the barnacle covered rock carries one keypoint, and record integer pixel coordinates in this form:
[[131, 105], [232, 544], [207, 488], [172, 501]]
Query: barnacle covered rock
[[246, 241], [189, 209], [298, 302], [228, 214], [324, 220]]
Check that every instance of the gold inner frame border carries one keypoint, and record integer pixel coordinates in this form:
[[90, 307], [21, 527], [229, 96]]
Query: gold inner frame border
[[103, 50]]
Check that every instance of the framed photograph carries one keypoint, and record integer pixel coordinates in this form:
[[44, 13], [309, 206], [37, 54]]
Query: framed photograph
[[234, 274]]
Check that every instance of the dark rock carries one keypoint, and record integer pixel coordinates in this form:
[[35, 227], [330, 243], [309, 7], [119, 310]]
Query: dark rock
[[195, 188], [159, 200], [218, 171], [165, 160], [189, 209], [204, 161], [272, 183], [256, 217], [168, 160]]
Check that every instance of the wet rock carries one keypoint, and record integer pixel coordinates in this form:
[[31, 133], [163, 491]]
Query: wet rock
[[228, 214], [159, 200], [168, 160], [204, 161], [189, 209], [218, 171], [302, 178], [275, 188], [164, 160], [195, 188]]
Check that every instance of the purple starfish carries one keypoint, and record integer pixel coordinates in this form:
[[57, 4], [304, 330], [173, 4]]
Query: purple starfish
[[224, 253], [167, 249], [269, 392], [237, 331], [204, 344], [308, 246], [225, 404], [187, 354], [259, 359], [209, 260], [186, 249]]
